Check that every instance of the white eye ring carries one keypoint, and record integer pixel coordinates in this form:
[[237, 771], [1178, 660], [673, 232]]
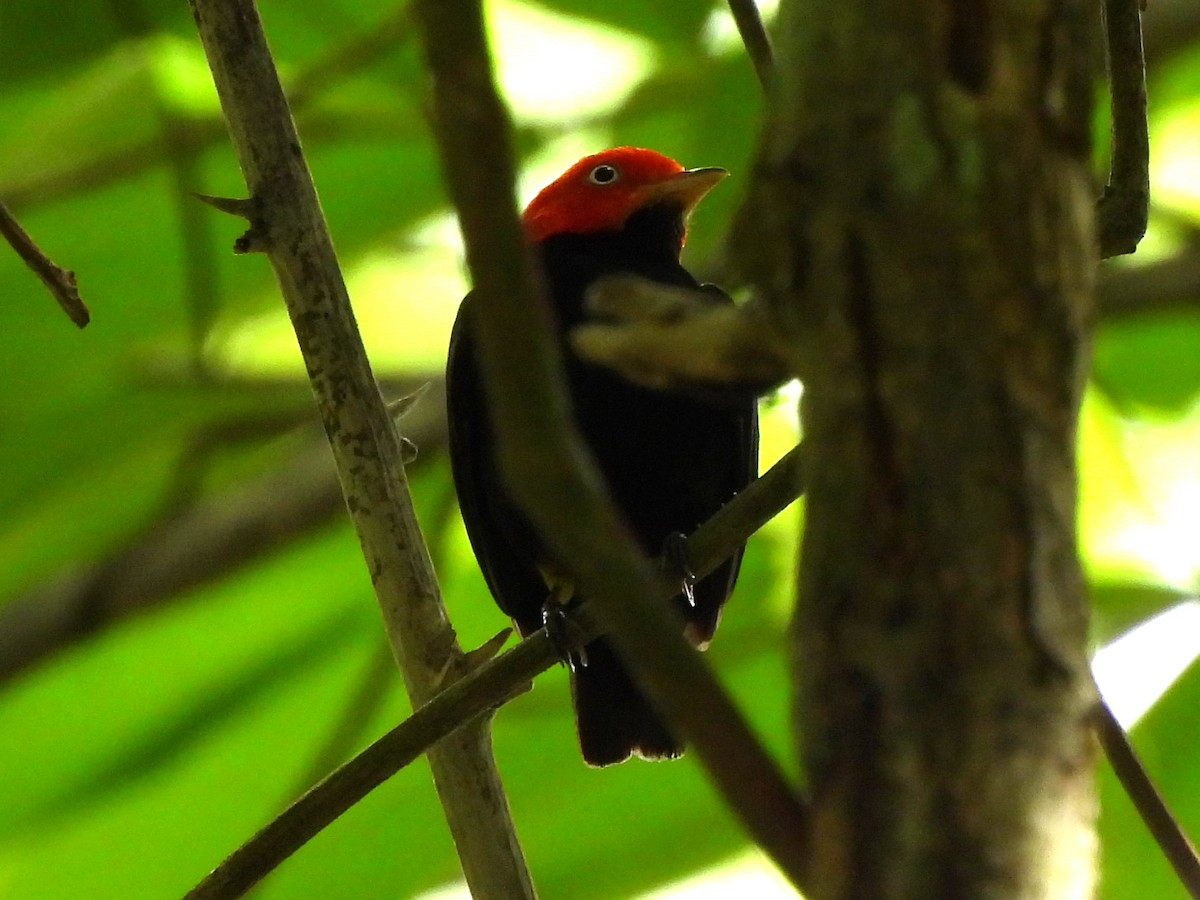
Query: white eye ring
[[603, 174]]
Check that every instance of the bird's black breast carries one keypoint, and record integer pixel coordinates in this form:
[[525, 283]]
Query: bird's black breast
[[670, 460]]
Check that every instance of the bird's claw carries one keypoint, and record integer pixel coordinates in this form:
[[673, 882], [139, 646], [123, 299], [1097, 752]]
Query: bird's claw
[[676, 566], [564, 634]]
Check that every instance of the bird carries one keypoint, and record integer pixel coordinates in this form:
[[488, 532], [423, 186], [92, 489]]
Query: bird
[[670, 458]]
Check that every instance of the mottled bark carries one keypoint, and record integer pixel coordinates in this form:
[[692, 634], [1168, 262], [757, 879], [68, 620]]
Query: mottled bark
[[286, 223], [922, 222]]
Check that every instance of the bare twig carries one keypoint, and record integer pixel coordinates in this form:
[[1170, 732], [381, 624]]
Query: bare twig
[[1149, 803], [1124, 208], [754, 37], [485, 688], [548, 469], [365, 444], [60, 282]]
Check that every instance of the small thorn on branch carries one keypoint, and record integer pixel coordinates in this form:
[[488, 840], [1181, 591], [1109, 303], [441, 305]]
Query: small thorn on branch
[[488, 649], [754, 36], [402, 406], [248, 208], [397, 410], [242, 207]]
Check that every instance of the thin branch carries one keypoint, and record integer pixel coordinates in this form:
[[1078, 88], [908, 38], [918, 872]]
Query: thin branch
[[546, 465], [365, 443], [60, 282], [484, 689], [195, 134], [754, 37], [1148, 801], [1124, 208]]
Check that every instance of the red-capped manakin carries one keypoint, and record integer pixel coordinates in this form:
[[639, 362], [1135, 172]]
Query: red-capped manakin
[[670, 459]]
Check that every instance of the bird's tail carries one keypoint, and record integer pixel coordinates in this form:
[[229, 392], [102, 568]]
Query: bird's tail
[[613, 717]]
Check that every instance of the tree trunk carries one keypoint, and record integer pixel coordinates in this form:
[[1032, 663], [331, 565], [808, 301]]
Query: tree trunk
[[922, 222]]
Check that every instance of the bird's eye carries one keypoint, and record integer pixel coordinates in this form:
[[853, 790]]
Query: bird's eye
[[603, 174]]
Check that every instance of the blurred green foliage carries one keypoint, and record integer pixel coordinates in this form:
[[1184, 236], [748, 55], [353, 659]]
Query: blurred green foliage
[[139, 750]]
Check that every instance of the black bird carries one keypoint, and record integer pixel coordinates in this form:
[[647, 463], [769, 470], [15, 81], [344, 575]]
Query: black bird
[[670, 459]]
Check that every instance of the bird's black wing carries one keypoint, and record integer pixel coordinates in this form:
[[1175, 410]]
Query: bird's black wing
[[504, 541], [737, 457]]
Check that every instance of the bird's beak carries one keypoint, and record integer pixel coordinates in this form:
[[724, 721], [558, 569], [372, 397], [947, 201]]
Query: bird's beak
[[687, 188]]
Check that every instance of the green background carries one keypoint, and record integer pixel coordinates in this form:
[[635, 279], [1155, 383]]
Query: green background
[[136, 755]]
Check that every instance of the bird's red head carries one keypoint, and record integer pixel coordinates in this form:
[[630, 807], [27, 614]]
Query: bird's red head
[[601, 191]]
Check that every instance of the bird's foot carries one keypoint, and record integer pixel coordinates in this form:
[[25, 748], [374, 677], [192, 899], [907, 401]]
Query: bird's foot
[[564, 633], [676, 566]]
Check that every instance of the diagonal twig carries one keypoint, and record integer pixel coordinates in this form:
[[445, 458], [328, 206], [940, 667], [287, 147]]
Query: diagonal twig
[[484, 689], [1150, 805], [59, 281], [754, 36]]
